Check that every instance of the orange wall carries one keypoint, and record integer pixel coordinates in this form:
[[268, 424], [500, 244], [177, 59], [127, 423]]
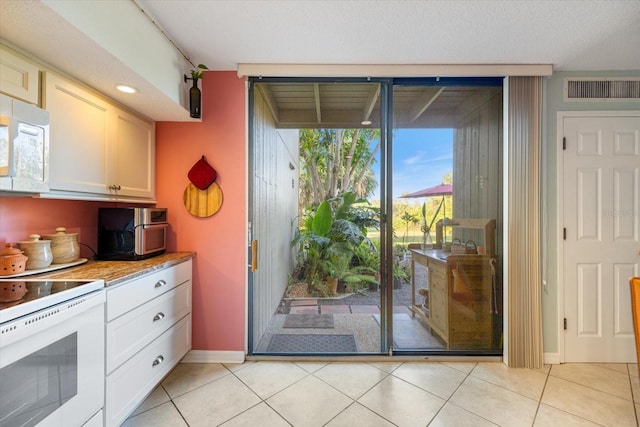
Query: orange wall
[[220, 240], [21, 216]]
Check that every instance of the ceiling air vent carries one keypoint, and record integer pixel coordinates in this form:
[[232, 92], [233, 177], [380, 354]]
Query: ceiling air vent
[[599, 89]]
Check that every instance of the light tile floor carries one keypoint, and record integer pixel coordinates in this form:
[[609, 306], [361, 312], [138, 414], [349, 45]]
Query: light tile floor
[[337, 394]]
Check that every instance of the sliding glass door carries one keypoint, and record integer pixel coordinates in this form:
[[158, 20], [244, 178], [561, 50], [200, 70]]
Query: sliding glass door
[[316, 175], [447, 215], [375, 216]]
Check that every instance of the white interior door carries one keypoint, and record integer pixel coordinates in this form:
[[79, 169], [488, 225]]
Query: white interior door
[[602, 245]]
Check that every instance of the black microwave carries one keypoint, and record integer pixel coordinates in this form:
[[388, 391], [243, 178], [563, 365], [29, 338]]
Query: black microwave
[[131, 233]]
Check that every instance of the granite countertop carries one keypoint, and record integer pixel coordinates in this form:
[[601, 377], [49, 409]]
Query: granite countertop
[[114, 272]]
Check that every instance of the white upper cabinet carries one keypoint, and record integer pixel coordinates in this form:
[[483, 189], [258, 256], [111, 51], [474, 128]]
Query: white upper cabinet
[[79, 140], [134, 164], [98, 151], [19, 77]]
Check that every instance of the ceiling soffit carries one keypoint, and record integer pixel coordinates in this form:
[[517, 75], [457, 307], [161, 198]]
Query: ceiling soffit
[[310, 105]]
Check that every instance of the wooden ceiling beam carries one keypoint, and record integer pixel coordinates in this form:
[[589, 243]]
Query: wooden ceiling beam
[[316, 95], [374, 94], [268, 98], [475, 100], [428, 96]]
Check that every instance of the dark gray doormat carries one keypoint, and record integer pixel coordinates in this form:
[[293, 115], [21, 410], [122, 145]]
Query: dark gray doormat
[[308, 321], [282, 343]]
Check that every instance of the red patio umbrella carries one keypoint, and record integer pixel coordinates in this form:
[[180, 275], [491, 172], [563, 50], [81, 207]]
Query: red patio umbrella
[[438, 190]]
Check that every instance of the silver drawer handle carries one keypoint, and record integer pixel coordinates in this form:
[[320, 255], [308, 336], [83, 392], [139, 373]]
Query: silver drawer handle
[[158, 360], [158, 316], [160, 283]]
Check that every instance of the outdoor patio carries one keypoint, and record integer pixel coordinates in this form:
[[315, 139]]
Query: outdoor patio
[[355, 315]]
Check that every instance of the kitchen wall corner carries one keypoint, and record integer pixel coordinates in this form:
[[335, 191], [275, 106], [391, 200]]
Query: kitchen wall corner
[[219, 272]]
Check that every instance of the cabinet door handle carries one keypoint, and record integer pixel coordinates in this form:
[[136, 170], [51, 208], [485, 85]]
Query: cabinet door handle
[[160, 283], [158, 360], [115, 187], [158, 316]]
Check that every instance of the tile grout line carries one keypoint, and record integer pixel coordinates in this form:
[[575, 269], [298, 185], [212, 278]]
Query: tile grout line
[[354, 400], [261, 400], [633, 396], [388, 374], [544, 389], [448, 400], [594, 388], [179, 413]]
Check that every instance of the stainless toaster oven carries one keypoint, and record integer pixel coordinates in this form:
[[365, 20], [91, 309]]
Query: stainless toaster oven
[[131, 233]]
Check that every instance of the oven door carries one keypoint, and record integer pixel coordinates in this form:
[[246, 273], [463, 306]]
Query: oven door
[[52, 365], [151, 238]]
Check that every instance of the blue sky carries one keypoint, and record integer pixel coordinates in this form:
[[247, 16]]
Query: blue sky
[[421, 157]]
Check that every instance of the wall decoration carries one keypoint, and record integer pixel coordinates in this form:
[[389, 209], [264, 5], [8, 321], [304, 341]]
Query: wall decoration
[[194, 92], [203, 196]]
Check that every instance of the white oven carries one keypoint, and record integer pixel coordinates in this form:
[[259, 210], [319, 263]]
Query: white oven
[[52, 359]]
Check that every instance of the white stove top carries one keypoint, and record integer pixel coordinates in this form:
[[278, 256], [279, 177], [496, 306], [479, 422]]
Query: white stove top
[[42, 294]]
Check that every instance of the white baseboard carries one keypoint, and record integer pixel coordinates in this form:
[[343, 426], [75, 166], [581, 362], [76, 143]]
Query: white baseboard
[[207, 356], [551, 358]]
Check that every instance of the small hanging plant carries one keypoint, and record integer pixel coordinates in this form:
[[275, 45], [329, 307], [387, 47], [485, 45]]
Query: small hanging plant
[[197, 73]]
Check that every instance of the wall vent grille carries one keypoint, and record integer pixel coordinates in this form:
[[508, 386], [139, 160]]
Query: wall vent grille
[[599, 89]]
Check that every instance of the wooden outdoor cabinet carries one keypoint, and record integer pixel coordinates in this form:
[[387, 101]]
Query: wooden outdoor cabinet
[[462, 299]]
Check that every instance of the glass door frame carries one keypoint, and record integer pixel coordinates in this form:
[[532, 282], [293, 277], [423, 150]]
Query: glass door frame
[[386, 199], [386, 270], [496, 81]]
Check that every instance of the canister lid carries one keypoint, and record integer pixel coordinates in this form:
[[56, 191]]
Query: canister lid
[[61, 234], [34, 239], [9, 250]]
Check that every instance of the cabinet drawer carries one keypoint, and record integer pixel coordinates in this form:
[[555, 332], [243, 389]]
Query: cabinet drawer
[[129, 333], [131, 294], [128, 385]]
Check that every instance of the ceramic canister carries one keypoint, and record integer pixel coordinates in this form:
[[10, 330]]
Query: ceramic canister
[[12, 260], [64, 246], [38, 251]]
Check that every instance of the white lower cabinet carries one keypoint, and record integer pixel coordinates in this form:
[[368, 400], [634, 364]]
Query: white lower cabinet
[[148, 331], [128, 333], [127, 387], [95, 421]]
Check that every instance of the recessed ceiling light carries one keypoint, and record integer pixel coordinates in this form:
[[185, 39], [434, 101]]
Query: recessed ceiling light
[[366, 123], [126, 88]]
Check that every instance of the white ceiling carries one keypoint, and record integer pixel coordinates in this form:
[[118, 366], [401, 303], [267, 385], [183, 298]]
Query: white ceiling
[[570, 35], [579, 35]]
